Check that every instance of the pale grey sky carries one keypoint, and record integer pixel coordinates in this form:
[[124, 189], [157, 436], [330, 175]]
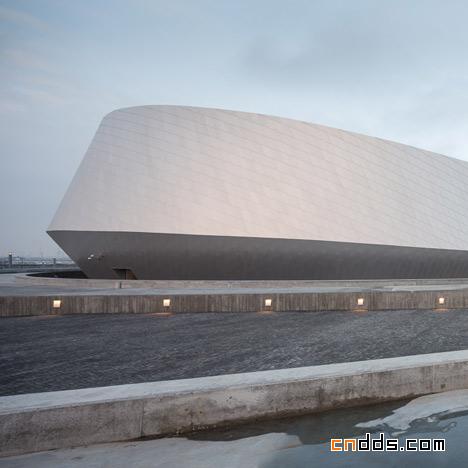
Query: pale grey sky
[[394, 69]]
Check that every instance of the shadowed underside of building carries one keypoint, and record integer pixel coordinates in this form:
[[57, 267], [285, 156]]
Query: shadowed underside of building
[[176, 256], [169, 192]]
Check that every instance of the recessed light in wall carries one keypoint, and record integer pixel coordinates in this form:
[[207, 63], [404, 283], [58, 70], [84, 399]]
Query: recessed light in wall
[[360, 301], [441, 300], [268, 302], [56, 303], [166, 302]]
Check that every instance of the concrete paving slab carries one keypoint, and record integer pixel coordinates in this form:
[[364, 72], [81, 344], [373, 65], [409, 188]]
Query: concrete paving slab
[[23, 285]]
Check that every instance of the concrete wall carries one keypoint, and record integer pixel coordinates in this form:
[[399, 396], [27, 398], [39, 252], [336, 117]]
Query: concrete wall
[[52, 420], [11, 306]]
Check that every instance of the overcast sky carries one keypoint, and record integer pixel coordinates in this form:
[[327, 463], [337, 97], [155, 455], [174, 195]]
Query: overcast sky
[[393, 69]]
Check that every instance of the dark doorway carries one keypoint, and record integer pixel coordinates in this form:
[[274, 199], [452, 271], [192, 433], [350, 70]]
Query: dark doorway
[[124, 273]]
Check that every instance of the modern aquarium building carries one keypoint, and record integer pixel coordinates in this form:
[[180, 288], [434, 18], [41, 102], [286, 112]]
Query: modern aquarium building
[[170, 192]]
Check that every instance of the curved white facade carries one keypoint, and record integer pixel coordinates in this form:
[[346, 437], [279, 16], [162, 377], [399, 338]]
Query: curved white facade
[[208, 172]]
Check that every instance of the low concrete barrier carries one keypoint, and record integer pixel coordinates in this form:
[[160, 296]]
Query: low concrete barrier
[[12, 306], [52, 420]]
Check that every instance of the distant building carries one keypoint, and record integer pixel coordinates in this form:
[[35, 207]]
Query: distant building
[[191, 193]]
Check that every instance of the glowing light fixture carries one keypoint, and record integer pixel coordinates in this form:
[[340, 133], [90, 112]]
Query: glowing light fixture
[[268, 302], [56, 303], [441, 300], [166, 302], [360, 301]]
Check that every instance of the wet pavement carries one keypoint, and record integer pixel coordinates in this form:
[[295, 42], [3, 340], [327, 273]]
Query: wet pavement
[[46, 353]]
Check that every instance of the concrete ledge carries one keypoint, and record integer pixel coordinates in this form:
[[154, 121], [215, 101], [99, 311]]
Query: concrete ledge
[[13, 306], [44, 421]]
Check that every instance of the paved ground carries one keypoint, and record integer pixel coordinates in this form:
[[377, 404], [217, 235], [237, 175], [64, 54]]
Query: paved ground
[[10, 286], [58, 353]]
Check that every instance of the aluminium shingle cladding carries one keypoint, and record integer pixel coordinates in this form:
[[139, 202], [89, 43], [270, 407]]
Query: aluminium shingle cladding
[[187, 170]]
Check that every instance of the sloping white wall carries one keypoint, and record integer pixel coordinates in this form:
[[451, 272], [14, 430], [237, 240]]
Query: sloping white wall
[[186, 170]]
